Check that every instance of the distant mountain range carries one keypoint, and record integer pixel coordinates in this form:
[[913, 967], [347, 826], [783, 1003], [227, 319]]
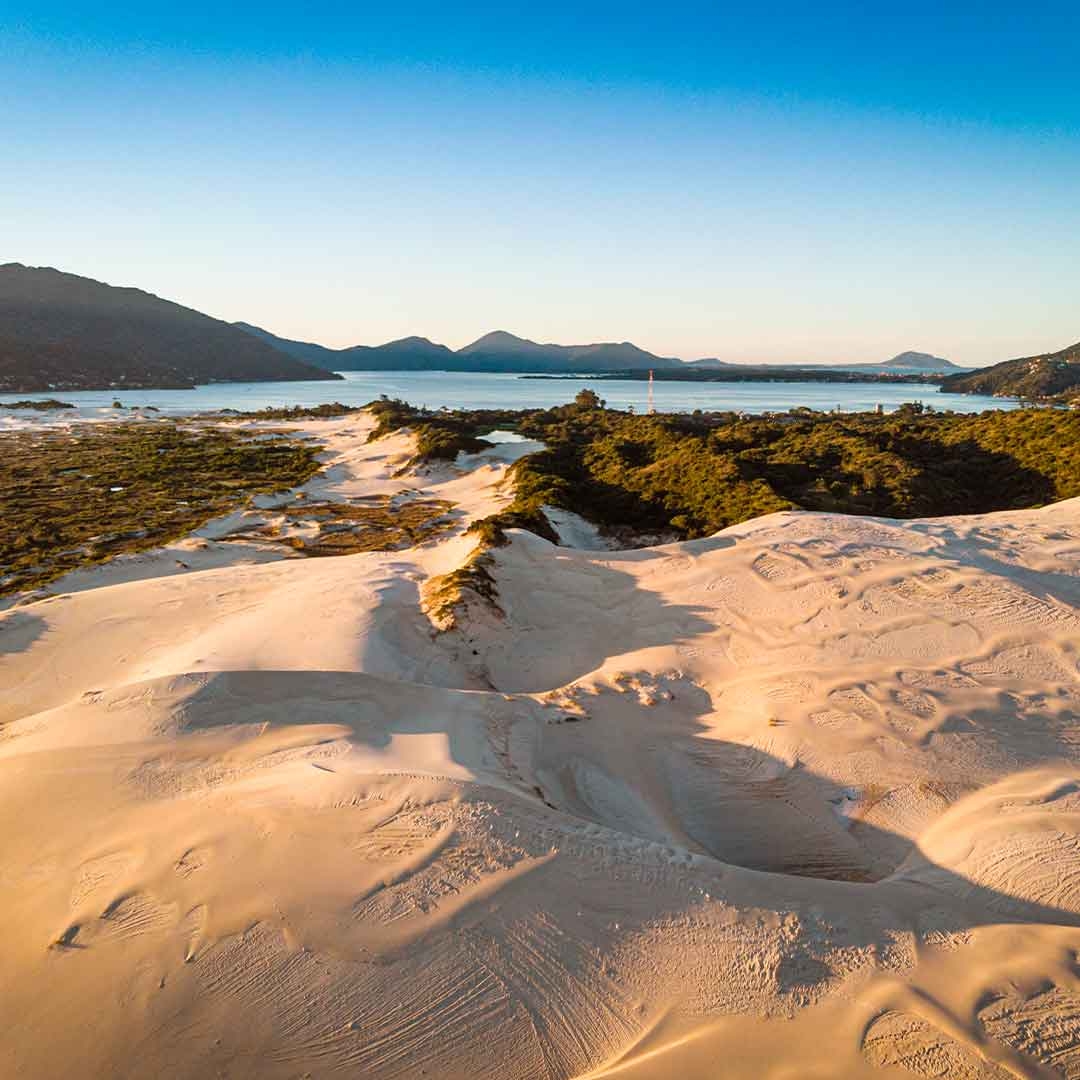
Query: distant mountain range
[[64, 332], [405, 354], [59, 331], [1051, 375], [500, 351], [494, 352]]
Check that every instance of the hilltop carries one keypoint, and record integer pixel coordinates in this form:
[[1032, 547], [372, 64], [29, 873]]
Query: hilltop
[[500, 347], [405, 354], [1046, 376], [501, 351], [60, 331], [920, 361], [498, 351]]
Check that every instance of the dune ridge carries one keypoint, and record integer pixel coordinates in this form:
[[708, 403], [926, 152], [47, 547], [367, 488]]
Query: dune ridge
[[675, 810]]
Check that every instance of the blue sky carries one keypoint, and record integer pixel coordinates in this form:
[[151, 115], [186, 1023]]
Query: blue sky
[[817, 186]]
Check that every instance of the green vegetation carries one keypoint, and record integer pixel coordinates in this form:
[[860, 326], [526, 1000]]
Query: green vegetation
[[691, 475], [444, 595], [295, 412], [75, 498], [440, 436], [1050, 377], [44, 405], [697, 474], [337, 528]]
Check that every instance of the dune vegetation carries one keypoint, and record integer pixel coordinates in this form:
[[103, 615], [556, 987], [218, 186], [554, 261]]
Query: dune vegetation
[[691, 475], [77, 497], [294, 412], [343, 528], [80, 497], [41, 405], [441, 436]]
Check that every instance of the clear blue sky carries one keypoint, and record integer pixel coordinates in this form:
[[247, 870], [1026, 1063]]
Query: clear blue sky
[[825, 186]]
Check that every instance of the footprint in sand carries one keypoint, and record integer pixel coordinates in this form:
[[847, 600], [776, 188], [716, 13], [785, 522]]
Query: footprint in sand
[[98, 873], [907, 1041], [775, 568]]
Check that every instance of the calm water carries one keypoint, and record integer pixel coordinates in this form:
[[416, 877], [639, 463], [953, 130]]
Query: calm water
[[453, 389]]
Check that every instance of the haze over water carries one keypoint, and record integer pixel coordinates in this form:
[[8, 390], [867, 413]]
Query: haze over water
[[436, 389]]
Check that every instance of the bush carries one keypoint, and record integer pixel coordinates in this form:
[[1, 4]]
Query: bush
[[696, 474]]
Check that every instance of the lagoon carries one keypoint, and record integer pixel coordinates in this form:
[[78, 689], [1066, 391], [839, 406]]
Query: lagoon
[[436, 389]]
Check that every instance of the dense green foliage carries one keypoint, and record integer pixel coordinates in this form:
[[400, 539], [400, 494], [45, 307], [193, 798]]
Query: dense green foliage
[[699, 474], [42, 405], [695, 474], [343, 528], [79, 497], [1054, 376], [440, 436], [295, 412]]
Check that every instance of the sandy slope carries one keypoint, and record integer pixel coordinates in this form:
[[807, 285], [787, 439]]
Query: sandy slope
[[802, 799]]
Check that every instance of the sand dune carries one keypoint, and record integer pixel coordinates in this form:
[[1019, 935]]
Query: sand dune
[[798, 800]]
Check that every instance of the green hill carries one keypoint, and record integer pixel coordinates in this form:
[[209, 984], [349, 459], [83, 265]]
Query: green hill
[[1051, 375], [64, 332]]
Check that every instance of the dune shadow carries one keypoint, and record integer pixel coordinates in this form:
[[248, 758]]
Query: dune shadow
[[19, 630], [560, 592], [768, 837], [981, 553], [732, 802], [657, 772]]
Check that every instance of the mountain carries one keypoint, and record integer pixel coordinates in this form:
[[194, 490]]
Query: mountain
[[711, 363], [920, 361], [906, 363], [494, 352], [505, 352], [64, 332], [1049, 375], [501, 343], [405, 354], [306, 351]]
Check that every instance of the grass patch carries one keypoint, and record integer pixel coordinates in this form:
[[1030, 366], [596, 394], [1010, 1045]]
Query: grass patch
[[336, 528], [44, 405], [444, 596], [295, 412], [72, 499]]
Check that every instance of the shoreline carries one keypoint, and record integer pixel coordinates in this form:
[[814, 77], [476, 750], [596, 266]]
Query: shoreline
[[512, 391]]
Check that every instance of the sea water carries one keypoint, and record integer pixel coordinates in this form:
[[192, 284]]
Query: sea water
[[436, 389]]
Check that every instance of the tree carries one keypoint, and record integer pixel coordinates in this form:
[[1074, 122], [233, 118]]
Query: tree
[[588, 399]]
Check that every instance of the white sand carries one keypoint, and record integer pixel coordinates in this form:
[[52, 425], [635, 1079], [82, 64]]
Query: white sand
[[800, 800], [574, 531]]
